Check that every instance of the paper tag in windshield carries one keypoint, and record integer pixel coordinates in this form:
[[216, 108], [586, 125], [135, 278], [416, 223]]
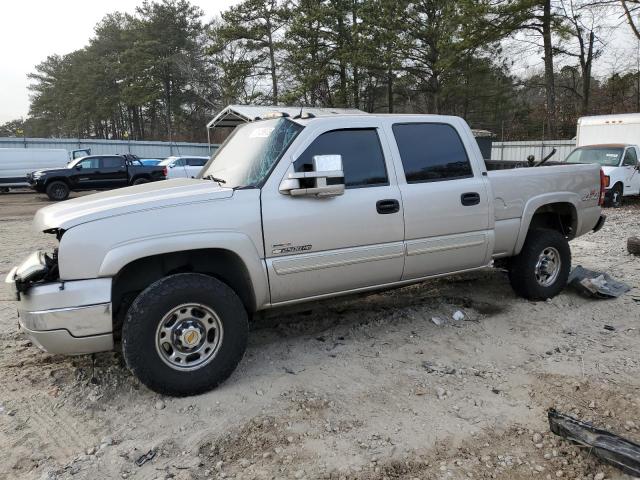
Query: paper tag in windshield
[[263, 132], [613, 155]]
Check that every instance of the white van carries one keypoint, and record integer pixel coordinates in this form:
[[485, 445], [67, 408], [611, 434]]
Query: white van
[[16, 163], [612, 141]]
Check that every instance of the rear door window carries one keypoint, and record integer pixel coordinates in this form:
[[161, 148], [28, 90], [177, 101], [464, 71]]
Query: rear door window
[[431, 152], [112, 162], [362, 157]]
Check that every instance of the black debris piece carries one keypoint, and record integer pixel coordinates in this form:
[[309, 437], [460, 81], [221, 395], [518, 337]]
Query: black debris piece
[[610, 448], [147, 457], [596, 284]]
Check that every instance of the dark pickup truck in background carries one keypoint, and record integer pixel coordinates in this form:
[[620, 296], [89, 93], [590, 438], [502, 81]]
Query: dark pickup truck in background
[[95, 172]]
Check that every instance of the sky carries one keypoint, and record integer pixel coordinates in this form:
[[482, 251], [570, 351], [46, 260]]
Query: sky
[[34, 29], [31, 30]]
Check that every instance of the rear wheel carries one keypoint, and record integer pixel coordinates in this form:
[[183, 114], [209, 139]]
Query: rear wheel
[[541, 269], [185, 334], [140, 181], [57, 190]]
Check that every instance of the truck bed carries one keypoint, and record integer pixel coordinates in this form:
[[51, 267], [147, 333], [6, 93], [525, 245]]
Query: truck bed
[[517, 188]]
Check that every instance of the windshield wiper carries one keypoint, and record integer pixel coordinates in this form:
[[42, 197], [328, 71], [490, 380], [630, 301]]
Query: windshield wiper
[[215, 179]]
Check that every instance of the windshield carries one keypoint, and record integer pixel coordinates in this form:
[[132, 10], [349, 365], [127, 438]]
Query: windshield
[[247, 156], [606, 156], [74, 162]]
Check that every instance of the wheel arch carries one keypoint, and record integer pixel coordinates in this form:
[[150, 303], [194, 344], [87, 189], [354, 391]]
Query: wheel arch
[[57, 179], [556, 213], [134, 267]]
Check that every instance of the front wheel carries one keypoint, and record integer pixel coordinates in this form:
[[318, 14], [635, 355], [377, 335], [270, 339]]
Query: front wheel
[[617, 194], [57, 191], [541, 269], [185, 334]]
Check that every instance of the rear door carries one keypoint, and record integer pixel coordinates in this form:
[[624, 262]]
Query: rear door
[[446, 204], [631, 174], [316, 246], [113, 172]]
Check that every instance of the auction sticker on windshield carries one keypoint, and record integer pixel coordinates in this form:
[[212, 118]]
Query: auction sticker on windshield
[[263, 132]]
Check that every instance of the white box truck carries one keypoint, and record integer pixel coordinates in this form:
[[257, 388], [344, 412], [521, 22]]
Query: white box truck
[[16, 163], [611, 141]]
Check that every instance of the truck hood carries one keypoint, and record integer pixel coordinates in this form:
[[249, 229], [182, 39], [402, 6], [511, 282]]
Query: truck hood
[[148, 196]]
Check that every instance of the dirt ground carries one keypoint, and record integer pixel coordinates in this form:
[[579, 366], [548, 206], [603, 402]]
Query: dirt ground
[[364, 388]]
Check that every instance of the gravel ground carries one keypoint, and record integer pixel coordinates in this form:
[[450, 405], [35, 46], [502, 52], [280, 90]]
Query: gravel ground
[[364, 388]]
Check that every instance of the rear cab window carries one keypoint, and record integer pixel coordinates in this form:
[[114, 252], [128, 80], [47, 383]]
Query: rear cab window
[[363, 160], [431, 152]]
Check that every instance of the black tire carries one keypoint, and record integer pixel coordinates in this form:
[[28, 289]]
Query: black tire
[[140, 181], [528, 281], [57, 190], [140, 333], [617, 195], [633, 245]]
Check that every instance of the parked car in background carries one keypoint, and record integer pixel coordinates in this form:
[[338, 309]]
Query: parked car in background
[[615, 139], [150, 161], [17, 163], [290, 211], [184, 167], [96, 172], [620, 165]]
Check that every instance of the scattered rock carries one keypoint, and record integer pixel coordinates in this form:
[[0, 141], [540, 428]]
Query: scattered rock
[[159, 405], [458, 316], [437, 321]]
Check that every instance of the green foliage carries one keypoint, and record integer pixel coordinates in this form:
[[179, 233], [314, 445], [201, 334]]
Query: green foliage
[[162, 73]]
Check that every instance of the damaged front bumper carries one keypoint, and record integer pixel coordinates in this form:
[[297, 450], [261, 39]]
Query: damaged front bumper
[[70, 318]]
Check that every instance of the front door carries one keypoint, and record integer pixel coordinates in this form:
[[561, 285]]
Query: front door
[[631, 174], [87, 173], [317, 246], [194, 165], [446, 204]]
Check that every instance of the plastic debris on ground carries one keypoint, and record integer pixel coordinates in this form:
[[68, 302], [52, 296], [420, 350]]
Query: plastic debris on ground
[[145, 458], [609, 447], [596, 284]]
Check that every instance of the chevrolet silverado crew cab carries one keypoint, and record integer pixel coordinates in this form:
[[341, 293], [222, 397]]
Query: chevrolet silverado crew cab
[[96, 172], [290, 210]]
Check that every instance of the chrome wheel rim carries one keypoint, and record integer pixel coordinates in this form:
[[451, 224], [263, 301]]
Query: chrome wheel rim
[[548, 267], [189, 336]]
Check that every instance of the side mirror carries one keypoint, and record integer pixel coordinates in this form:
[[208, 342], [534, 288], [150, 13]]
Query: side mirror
[[172, 165], [326, 179], [78, 167]]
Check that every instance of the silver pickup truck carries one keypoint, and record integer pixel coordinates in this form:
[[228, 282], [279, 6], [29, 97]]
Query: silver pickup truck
[[291, 210]]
